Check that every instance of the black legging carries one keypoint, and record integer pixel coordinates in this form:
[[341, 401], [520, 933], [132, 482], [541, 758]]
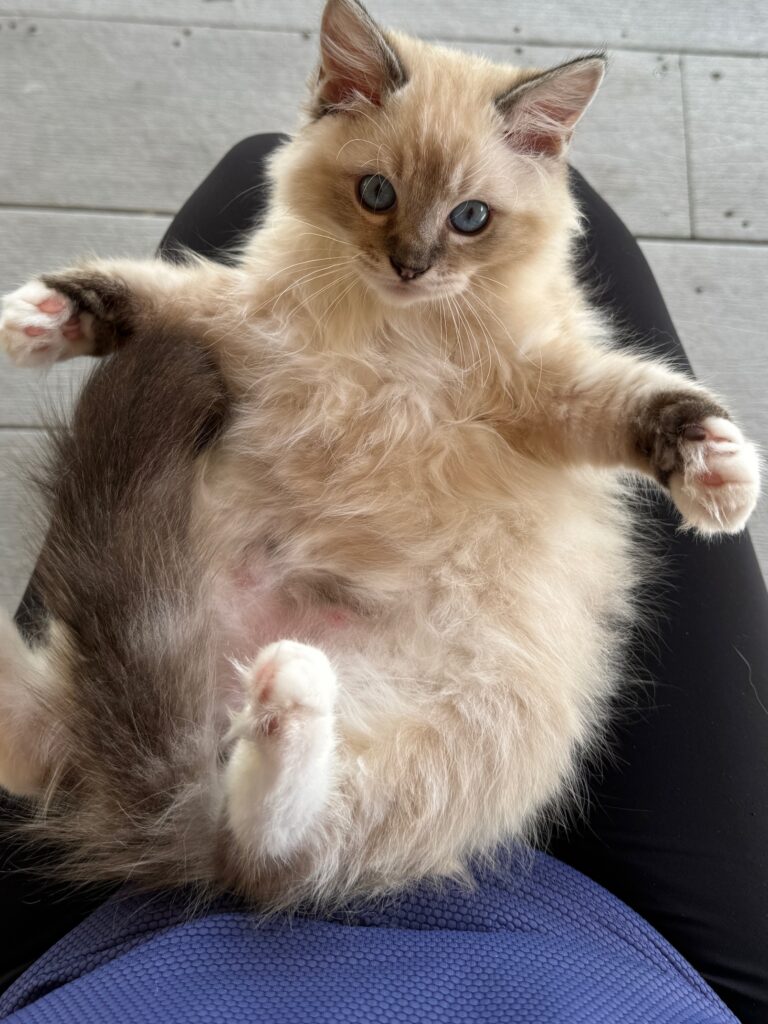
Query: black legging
[[677, 823]]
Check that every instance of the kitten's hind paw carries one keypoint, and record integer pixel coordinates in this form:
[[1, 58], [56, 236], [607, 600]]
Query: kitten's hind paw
[[718, 485], [40, 326], [279, 774], [287, 684]]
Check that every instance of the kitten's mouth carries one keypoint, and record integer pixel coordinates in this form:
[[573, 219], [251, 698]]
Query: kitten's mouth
[[426, 287], [399, 287], [404, 292]]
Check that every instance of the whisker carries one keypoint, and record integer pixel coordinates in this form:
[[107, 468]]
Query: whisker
[[301, 263], [308, 278]]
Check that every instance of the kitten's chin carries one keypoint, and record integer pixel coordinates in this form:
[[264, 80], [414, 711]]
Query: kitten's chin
[[409, 293]]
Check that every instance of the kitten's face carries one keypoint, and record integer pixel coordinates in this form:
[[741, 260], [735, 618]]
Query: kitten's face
[[431, 167], [424, 205], [421, 208]]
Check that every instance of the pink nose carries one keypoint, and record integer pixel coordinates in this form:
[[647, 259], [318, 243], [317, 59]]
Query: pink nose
[[407, 273]]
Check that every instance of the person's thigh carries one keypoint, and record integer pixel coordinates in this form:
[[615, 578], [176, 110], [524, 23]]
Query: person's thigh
[[677, 823], [225, 208]]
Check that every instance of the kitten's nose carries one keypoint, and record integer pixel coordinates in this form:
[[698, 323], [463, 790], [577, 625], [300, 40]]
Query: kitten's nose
[[408, 273]]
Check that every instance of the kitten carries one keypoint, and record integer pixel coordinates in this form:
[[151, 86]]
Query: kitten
[[338, 567]]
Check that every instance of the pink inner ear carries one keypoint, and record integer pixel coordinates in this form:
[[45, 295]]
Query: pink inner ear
[[338, 88], [354, 58], [545, 129], [543, 145], [542, 113]]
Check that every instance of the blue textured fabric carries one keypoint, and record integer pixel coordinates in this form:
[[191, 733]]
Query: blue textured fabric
[[532, 944]]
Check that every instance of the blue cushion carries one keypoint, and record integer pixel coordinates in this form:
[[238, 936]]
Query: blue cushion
[[534, 943]]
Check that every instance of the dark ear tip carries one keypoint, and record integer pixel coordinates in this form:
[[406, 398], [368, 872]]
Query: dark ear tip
[[354, 6], [593, 57], [599, 57], [597, 61]]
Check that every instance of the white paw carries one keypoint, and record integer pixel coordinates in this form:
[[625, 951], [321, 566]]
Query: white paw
[[39, 326], [278, 780], [720, 483], [288, 681]]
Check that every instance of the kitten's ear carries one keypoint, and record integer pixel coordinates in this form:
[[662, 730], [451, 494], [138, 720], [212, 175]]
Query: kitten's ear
[[357, 61], [541, 113]]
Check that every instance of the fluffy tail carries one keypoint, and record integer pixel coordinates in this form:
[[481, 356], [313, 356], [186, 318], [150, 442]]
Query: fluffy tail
[[131, 739]]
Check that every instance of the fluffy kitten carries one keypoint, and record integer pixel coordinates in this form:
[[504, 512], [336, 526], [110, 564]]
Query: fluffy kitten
[[337, 565]]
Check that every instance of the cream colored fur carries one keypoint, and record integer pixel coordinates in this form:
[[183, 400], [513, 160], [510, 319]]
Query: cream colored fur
[[450, 456]]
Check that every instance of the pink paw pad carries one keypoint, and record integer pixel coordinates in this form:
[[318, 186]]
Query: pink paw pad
[[262, 681], [711, 480], [288, 681], [55, 303]]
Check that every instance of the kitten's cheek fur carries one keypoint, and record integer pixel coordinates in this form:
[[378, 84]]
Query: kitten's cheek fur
[[718, 487]]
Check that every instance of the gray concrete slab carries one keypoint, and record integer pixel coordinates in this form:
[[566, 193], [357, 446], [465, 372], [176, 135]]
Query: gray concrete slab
[[727, 113], [737, 26]]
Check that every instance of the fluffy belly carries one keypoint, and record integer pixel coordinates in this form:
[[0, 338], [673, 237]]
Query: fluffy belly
[[255, 605]]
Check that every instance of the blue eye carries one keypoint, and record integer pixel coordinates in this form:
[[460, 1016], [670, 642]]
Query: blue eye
[[376, 193], [469, 217]]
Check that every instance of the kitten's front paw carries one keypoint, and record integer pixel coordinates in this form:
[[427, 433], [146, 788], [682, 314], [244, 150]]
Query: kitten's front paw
[[39, 326], [718, 482], [288, 683]]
